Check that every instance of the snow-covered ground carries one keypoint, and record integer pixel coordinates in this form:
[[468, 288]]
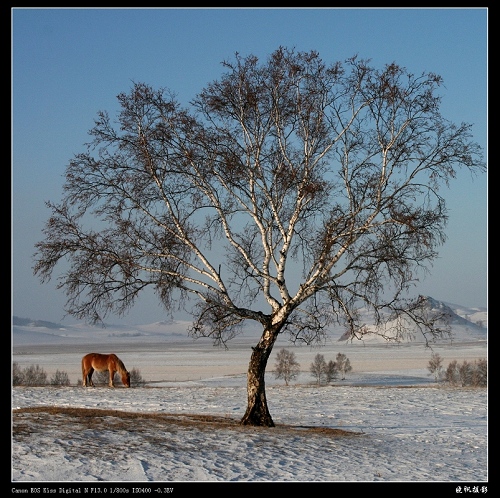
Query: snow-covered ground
[[401, 426], [398, 434]]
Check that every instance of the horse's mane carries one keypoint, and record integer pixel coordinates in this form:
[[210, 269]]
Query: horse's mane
[[120, 365]]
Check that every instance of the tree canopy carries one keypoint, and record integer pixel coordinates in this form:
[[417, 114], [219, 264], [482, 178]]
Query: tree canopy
[[289, 192]]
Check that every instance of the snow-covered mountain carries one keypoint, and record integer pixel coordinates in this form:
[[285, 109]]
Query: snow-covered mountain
[[477, 316], [474, 320], [28, 331], [468, 324]]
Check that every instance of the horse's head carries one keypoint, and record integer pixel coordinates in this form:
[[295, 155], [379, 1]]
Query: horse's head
[[126, 379]]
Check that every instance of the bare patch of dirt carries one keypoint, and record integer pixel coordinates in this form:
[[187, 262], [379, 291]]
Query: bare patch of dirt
[[26, 420]]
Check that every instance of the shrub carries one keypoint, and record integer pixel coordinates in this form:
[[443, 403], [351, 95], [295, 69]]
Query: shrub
[[17, 375], [451, 373], [480, 373], [34, 376], [60, 379], [467, 374], [136, 377], [101, 377]]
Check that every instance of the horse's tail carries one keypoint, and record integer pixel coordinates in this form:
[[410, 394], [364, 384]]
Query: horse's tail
[[84, 381]]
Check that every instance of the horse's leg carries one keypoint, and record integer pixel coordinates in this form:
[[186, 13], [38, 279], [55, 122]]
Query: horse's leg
[[84, 374], [91, 371], [111, 377]]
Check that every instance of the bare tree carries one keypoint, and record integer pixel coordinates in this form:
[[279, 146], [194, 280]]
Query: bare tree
[[290, 193], [319, 368], [331, 371], [480, 373], [465, 373], [343, 364], [451, 374], [287, 367], [435, 365]]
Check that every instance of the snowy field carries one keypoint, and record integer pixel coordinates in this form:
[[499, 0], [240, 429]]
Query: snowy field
[[398, 434], [387, 422]]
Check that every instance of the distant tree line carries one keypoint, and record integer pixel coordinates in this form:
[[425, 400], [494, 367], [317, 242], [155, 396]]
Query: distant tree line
[[466, 374], [34, 375], [288, 368]]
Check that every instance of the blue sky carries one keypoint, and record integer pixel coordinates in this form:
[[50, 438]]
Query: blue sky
[[68, 64]]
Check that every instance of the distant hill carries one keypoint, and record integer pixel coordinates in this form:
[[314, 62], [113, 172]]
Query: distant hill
[[28, 322], [468, 324], [26, 331], [470, 317]]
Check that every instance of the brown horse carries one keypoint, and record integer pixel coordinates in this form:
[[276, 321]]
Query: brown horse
[[109, 362]]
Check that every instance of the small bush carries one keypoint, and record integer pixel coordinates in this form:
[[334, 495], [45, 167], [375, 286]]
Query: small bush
[[60, 379], [17, 375], [467, 374], [34, 376], [480, 373], [101, 377], [136, 378]]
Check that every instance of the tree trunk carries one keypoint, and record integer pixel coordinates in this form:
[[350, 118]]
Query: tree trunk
[[257, 412]]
